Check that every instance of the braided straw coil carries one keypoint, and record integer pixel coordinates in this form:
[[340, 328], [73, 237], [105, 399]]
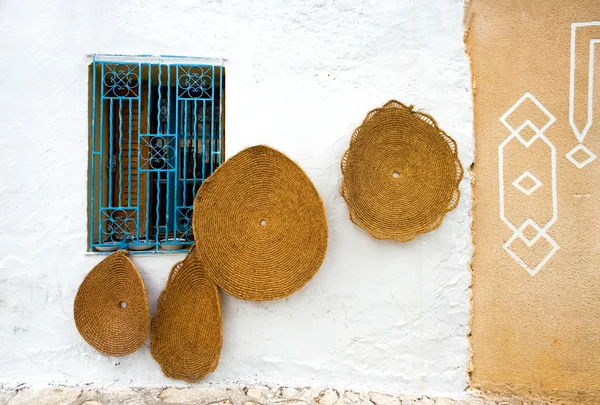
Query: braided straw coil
[[260, 225], [187, 328], [401, 173], [111, 307]]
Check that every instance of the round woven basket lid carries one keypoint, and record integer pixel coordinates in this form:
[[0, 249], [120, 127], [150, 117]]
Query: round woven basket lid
[[187, 327], [260, 225], [400, 173], [111, 307]]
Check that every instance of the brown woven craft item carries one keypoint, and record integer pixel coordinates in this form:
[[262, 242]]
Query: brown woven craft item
[[187, 327], [260, 225], [111, 307], [401, 173]]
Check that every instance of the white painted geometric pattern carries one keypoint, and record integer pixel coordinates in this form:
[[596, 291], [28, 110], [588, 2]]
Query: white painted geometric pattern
[[581, 163], [534, 236], [541, 234], [527, 190], [583, 58]]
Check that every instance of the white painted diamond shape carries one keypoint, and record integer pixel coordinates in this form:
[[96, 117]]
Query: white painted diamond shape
[[527, 138], [528, 95], [581, 163], [527, 191], [532, 268]]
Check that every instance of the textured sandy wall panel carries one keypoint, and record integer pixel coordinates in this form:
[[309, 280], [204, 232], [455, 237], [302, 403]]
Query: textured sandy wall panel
[[536, 293]]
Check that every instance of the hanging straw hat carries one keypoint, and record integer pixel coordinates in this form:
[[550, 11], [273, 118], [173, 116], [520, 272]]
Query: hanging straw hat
[[111, 307], [400, 173], [259, 225], [187, 328]]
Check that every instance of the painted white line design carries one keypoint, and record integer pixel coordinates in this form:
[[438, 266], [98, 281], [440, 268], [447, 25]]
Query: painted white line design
[[581, 163], [527, 175], [581, 133], [529, 225]]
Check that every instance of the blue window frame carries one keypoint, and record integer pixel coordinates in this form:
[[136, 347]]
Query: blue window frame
[[156, 133]]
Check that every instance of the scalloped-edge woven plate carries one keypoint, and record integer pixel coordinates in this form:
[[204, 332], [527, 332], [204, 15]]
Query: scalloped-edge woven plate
[[400, 174]]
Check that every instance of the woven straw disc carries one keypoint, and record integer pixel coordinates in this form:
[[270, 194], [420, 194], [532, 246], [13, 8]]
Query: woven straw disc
[[111, 307], [260, 225], [187, 327], [400, 173]]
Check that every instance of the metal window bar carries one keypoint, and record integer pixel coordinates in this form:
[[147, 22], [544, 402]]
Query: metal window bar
[[155, 135]]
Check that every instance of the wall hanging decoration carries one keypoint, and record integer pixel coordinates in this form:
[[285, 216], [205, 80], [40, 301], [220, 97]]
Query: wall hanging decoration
[[261, 224], [187, 327], [401, 173], [111, 307]]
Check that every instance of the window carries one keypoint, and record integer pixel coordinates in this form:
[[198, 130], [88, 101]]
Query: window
[[156, 132]]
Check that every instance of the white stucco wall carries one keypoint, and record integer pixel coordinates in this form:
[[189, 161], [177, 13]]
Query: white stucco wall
[[301, 76]]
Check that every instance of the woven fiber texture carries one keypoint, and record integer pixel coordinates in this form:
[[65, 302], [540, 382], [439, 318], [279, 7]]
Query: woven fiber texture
[[260, 225], [401, 173], [111, 307], [187, 327]]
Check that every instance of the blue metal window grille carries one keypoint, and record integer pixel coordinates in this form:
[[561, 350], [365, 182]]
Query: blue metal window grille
[[156, 133]]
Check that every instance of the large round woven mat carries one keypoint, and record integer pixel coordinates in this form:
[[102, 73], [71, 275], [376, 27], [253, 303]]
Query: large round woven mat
[[111, 307], [259, 225], [400, 173], [187, 328]]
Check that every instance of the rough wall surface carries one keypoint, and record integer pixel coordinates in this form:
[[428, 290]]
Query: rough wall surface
[[301, 76], [249, 395], [536, 284]]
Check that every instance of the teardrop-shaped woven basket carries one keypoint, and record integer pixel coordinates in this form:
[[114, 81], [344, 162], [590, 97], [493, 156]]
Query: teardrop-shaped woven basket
[[187, 328], [262, 225], [401, 173], [111, 307]]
